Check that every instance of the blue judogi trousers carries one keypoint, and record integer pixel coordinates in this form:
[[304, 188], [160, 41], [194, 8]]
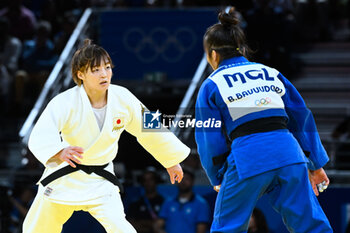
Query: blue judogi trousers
[[289, 192]]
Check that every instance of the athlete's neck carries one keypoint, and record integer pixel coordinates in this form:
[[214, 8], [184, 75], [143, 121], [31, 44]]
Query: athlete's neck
[[97, 99]]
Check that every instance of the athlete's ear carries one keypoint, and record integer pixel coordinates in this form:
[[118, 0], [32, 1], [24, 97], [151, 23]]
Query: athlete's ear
[[80, 75], [213, 54], [215, 58]]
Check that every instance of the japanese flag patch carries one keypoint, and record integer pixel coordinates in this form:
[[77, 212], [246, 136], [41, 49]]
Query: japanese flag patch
[[118, 123]]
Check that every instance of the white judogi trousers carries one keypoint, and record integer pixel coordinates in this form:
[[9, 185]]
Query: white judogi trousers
[[45, 216]]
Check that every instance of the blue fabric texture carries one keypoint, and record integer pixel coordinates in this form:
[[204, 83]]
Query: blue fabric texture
[[256, 153]]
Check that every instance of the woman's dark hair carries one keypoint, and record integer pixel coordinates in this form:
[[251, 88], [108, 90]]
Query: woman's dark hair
[[226, 37], [88, 56]]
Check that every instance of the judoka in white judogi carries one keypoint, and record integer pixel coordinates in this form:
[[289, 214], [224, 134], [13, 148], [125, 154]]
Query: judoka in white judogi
[[69, 120]]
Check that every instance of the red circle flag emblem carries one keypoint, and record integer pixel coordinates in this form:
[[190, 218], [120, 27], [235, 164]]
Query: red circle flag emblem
[[118, 123]]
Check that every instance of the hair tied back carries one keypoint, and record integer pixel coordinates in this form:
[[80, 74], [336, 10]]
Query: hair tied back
[[87, 42], [228, 17]]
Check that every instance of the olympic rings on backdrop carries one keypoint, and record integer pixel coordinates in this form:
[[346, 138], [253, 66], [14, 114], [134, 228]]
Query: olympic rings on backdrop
[[263, 101], [159, 42]]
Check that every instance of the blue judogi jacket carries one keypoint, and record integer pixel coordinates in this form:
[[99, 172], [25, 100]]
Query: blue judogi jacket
[[238, 92]]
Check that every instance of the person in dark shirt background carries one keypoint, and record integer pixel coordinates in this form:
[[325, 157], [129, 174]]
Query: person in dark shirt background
[[144, 212], [188, 212]]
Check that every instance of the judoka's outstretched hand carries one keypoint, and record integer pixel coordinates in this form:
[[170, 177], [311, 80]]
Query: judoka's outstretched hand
[[70, 154], [317, 177], [175, 173]]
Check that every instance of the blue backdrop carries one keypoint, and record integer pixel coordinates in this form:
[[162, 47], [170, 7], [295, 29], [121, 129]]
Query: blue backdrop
[[144, 41]]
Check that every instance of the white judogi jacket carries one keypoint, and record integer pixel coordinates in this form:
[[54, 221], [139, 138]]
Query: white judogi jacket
[[68, 120]]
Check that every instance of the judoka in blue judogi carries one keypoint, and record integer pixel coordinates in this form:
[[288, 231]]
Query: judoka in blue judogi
[[268, 141]]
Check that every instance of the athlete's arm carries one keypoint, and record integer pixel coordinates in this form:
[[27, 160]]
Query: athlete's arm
[[302, 125], [211, 141]]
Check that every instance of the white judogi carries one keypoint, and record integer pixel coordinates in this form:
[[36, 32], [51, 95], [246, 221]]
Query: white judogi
[[68, 120]]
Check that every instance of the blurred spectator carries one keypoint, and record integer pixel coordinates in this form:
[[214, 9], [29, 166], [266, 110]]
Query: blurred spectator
[[257, 222], [21, 200], [313, 21], [10, 47], [67, 27], [48, 12], [67, 5], [38, 59], [22, 20], [10, 50], [38, 55], [270, 33], [144, 212], [342, 134], [186, 213], [5, 208]]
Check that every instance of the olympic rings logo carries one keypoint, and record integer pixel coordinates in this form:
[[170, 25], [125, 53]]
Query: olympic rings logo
[[263, 101], [159, 42]]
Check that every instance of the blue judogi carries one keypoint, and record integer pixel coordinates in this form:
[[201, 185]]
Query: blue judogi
[[238, 93]]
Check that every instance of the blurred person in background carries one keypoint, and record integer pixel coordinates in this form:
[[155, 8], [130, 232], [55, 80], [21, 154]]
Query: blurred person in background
[[313, 20], [22, 20], [187, 212], [274, 44], [21, 200], [38, 58], [10, 51], [144, 212], [48, 12], [61, 38]]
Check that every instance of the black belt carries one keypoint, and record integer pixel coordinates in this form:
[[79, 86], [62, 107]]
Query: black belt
[[99, 170], [259, 126], [255, 126]]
